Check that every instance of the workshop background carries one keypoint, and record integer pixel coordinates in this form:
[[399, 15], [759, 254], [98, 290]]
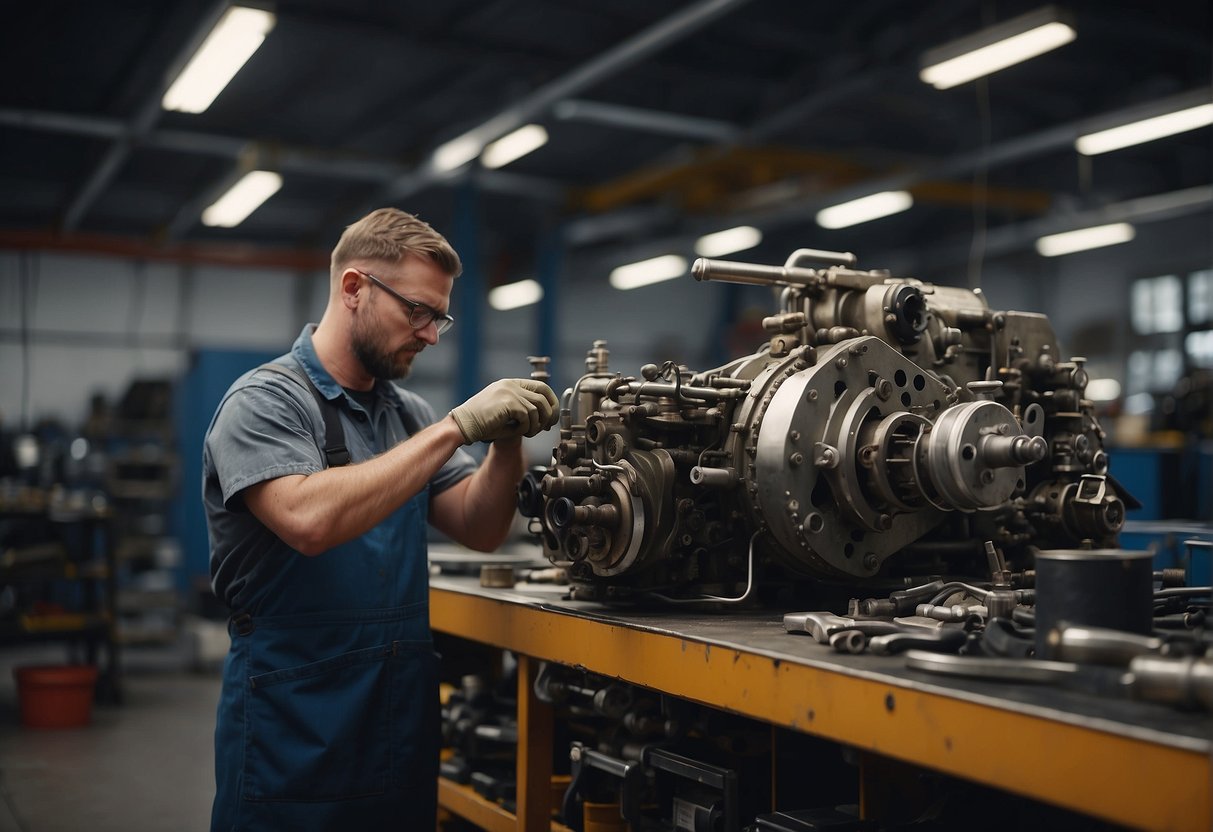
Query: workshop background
[[125, 311]]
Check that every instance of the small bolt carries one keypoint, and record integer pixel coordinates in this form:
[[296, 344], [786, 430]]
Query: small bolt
[[794, 436], [812, 395], [870, 561], [987, 476], [796, 458], [575, 753], [841, 363]]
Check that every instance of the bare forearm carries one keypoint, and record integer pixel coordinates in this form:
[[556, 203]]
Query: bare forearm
[[478, 512], [314, 513]]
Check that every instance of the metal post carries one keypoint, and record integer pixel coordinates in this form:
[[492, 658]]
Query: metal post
[[549, 262], [469, 291]]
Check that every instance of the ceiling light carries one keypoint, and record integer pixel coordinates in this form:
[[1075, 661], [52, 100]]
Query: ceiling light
[[728, 241], [654, 270], [1103, 390], [514, 295], [456, 153], [1146, 130], [229, 45], [1085, 238], [864, 209], [514, 146], [995, 48], [242, 199]]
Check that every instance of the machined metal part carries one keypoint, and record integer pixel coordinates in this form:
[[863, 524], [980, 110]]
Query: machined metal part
[[1187, 682], [1100, 645], [942, 639], [885, 425], [994, 669], [497, 575], [822, 625]]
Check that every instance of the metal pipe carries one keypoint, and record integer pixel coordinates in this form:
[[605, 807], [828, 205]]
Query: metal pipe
[[815, 255], [753, 273]]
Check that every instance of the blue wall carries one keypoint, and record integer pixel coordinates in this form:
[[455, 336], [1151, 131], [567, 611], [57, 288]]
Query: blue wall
[[208, 377]]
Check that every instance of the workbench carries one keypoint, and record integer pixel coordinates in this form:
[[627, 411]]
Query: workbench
[[1134, 763]]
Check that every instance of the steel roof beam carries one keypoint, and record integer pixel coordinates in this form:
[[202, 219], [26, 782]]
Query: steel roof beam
[[134, 129], [623, 56]]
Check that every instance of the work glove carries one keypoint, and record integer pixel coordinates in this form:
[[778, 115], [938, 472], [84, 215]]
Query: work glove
[[506, 409]]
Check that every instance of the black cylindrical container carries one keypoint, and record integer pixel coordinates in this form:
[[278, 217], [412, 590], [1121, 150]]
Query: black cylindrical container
[[1093, 588]]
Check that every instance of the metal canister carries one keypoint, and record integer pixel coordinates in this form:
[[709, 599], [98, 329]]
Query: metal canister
[[1092, 588]]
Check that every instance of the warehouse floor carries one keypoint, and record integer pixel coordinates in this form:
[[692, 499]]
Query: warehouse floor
[[144, 765]]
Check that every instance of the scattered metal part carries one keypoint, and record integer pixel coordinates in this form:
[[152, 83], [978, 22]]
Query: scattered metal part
[[993, 669], [1099, 645], [1186, 682], [849, 641], [822, 625], [952, 612], [943, 639], [497, 575]]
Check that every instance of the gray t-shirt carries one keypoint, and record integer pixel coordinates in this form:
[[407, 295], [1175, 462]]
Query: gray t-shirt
[[269, 425]]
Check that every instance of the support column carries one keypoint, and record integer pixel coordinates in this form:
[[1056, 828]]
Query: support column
[[533, 777], [469, 292], [549, 262]]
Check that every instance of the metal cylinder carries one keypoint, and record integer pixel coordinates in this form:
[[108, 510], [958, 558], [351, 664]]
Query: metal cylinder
[[713, 477], [1187, 681], [753, 273], [1092, 588]]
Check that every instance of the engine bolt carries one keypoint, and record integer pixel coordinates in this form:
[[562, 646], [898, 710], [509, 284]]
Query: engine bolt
[[841, 363], [796, 458], [812, 395], [987, 476], [870, 561]]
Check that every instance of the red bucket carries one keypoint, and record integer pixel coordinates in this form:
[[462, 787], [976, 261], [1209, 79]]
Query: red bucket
[[56, 696]]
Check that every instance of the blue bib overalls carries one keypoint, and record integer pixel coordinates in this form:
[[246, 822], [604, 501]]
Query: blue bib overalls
[[329, 719]]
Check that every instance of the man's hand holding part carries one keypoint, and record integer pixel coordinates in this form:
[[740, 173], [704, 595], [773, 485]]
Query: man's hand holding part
[[507, 409]]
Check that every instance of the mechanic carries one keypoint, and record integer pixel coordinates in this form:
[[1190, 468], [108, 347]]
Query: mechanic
[[319, 475]]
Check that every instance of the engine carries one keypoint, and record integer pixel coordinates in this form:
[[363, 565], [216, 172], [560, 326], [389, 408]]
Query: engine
[[887, 430]]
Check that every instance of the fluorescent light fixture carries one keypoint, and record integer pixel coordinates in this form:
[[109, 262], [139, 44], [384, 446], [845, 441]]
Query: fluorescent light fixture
[[456, 153], [242, 199], [1085, 238], [995, 48], [229, 45], [514, 295], [1103, 390], [513, 146], [644, 272], [864, 209], [728, 241], [1147, 130]]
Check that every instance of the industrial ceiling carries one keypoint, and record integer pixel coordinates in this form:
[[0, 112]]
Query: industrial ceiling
[[667, 119]]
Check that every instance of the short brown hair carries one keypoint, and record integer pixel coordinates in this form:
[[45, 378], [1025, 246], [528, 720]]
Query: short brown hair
[[389, 234]]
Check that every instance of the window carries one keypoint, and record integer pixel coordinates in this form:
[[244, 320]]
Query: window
[[1173, 315], [1157, 305], [1200, 297], [1199, 346]]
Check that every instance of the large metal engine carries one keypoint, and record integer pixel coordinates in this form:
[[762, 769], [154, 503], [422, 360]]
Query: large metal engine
[[888, 428]]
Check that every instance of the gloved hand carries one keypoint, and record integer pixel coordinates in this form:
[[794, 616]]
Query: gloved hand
[[505, 409]]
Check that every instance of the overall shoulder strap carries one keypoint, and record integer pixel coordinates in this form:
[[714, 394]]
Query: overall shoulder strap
[[335, 452]]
